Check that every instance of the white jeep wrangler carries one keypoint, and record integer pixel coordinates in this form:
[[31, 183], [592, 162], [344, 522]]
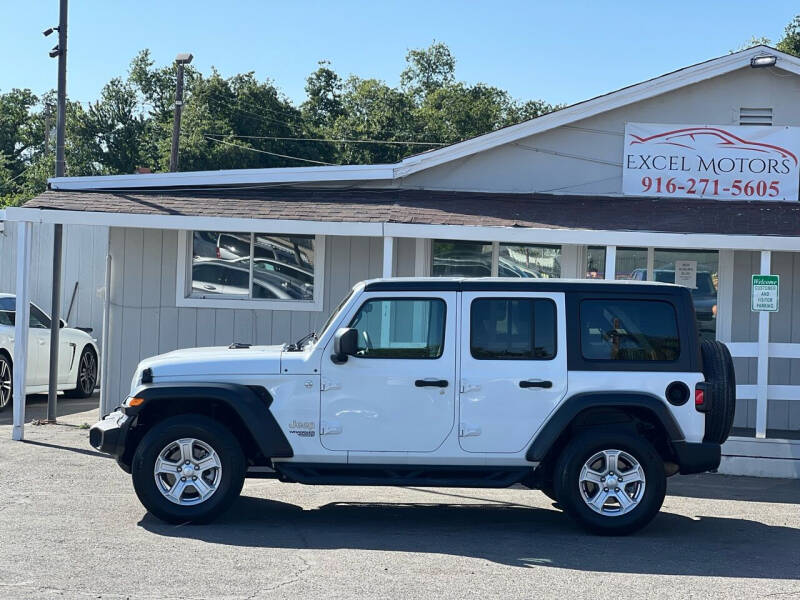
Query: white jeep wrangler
[[593, 392]]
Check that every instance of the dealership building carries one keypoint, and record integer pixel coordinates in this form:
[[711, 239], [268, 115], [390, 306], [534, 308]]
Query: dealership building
[[691, 178]]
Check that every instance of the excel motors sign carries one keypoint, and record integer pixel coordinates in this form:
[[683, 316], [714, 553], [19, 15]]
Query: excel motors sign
[[724, 163]]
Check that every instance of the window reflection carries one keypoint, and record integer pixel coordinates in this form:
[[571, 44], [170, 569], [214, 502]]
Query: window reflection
[[245, 265], [526, 260], [461, 259]]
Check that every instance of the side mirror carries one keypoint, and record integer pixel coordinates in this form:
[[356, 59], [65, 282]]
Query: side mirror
[[62, 323], [345, 343]]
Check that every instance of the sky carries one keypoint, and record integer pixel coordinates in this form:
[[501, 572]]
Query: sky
[[558, 51]]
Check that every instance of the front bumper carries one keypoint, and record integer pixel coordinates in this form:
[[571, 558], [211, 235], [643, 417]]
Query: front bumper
[[109, 435], [697, 457]]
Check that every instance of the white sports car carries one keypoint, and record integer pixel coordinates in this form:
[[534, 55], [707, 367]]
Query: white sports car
[[77, 356]]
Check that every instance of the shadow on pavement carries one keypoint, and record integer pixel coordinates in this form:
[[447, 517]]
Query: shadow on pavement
[[68, 448], [731, 487], [509, 534], [36, 407]]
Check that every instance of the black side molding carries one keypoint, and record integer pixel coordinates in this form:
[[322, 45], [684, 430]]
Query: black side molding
[[252, 406], [575, 405]]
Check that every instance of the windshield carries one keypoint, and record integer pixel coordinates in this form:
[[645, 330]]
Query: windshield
[[7, 307], [336, 311]]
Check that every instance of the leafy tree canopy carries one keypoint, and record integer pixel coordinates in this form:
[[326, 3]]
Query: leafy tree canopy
[[241, 122]]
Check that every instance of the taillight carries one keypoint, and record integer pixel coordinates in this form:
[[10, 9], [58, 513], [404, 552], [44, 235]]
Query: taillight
[[701, 397]]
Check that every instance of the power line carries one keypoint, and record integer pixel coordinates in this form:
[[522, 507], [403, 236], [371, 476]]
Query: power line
[[318, 162], [338, 141], [248, 112]]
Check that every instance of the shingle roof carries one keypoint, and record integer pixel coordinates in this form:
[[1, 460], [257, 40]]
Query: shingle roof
[[446, 208]]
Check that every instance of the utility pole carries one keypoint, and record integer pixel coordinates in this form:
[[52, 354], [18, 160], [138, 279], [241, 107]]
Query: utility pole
[[184, 58], [55, 321]]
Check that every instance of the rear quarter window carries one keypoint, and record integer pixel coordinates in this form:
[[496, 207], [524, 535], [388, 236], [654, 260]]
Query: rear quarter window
[[629, 330]]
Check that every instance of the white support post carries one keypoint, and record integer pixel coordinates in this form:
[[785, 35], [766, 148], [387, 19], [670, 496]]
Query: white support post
[[762, 380], [651, 261], [571, 261], [611, 262], [725, 297], [495, 268], [22, 317], [104, 400], [388, 256], [421, 261]]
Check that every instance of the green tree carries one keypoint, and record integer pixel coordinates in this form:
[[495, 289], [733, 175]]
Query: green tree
[[790, 43], [428, 69], [373, 110]]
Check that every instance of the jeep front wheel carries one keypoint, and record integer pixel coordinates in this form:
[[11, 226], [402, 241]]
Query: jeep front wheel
[[612, 483], [188, 468]]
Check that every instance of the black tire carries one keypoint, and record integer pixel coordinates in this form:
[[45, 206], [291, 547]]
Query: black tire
[[86, 379], [721, 379], [6, 382], [566, 480], [201, 428]]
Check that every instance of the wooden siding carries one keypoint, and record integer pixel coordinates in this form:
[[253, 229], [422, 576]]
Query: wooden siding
[[144, 320], [83, 261]]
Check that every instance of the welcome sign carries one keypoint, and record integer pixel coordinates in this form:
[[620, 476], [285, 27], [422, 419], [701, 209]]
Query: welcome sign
[[719, 162]]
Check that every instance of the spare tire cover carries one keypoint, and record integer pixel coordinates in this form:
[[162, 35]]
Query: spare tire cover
[[719, 374]]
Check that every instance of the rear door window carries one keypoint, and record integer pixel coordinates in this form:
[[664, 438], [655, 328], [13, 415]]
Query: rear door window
[[513, 329], [629, 330]]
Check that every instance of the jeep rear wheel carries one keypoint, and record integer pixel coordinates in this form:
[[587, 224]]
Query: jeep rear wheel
[[612, 483], [188, 468]]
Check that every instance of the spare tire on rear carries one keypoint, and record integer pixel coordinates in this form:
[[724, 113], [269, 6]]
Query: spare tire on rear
[[721, 379]]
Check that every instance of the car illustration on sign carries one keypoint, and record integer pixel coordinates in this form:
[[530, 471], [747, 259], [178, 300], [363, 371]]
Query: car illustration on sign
[[696, 138]]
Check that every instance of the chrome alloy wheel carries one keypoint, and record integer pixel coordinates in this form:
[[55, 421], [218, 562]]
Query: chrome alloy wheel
[[87, 372], [612, 483], [187, 471], [5, 383]]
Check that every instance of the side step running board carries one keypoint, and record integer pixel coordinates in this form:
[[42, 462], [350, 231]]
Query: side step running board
[[402, 475]]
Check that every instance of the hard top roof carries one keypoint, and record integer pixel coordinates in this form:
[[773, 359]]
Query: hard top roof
[[517, 284]]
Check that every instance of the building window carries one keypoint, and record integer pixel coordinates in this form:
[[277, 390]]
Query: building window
[[461, 259], [596, 262], [704, 265], [632, 330], [527, 260], [225, 269], [512, 329], [455, 258], [400, 328]]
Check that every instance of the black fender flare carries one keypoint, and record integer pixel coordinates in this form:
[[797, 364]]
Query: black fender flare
[[250, 403], [574, 405]]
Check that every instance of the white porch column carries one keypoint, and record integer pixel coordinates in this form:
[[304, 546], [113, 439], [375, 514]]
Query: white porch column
[[611, 262], [388, 256], [763, 357], [105, 407], [421, 260], [22, 316], [571, 261], [725, 297]]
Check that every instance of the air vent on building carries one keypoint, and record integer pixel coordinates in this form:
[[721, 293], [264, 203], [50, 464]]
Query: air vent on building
[[755, 116]]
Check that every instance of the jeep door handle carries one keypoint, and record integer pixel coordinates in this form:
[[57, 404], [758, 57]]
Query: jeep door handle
[[440, 383], [535, 383]]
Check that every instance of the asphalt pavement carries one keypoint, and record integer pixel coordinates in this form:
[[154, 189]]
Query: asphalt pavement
[[72, 527]]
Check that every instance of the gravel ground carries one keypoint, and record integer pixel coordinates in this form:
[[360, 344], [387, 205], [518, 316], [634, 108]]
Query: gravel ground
[[72, 527]]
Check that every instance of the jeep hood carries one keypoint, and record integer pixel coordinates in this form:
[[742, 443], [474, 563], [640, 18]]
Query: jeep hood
[[201, 362]]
